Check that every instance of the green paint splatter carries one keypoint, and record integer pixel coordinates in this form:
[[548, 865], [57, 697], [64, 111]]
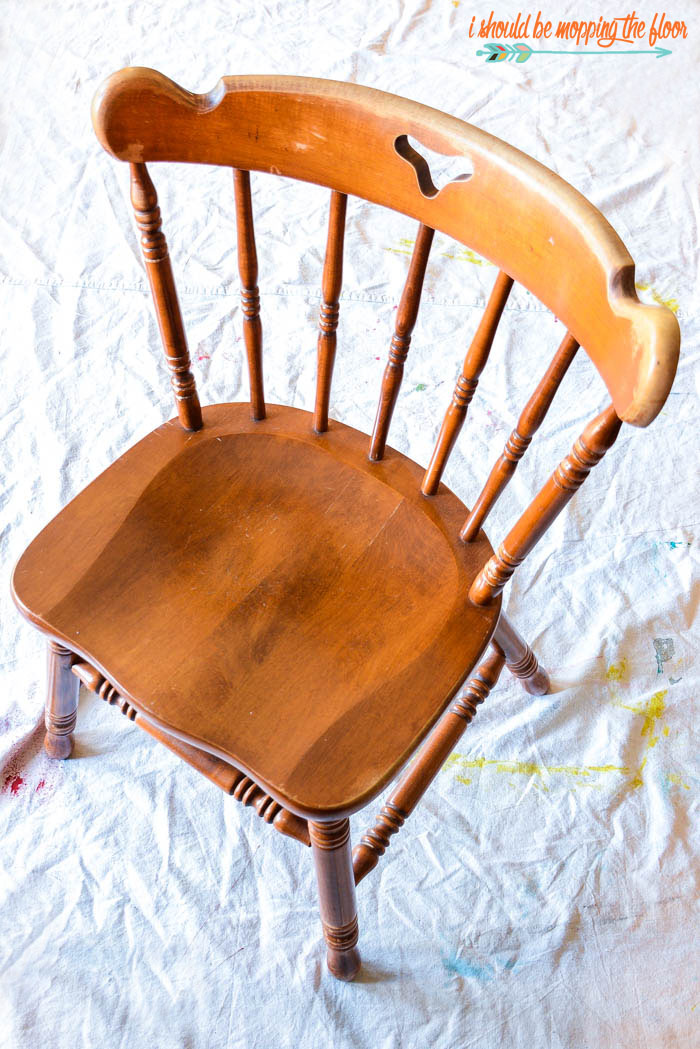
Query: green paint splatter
[[420, 387]]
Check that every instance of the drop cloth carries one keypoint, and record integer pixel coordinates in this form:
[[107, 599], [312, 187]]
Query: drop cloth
[[545, 892]]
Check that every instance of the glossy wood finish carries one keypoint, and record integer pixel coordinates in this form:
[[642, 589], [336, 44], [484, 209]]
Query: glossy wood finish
[[426, 765], [330, 843], [61, 708], [269, 595], [467, 383], [568, 477], [160, 277], [250, 295], [512, 210], [226, 776], [406, 316], [517, 444], [520, 659], [328, 320], [286, 614]]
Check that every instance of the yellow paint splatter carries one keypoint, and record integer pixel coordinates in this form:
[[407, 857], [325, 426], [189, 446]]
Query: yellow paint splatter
[[406, 247], [671, 304], [461, 254], [652, 710], [616, 674], [676, 780], [666, 730], [528, 768]]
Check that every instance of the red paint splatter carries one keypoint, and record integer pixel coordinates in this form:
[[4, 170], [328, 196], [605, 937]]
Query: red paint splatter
[[12, 784], [204, 357], [376, 358], [40, 785]]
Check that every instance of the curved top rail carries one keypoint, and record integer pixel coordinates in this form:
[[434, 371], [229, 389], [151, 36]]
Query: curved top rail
[[512, 210]]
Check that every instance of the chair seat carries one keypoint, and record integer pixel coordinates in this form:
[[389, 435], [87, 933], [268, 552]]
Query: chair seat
[[269, 595]]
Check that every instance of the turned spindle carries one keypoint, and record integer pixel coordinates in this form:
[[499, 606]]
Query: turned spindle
[[568, 477], [426, 765], [250, 296], [328, 319], [330, 843], [160, 277], [464, 391], [61, 709], [517, 444], [520, 659], [406, 316]]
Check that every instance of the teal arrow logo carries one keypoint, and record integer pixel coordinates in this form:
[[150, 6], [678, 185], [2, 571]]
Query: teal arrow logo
[[521, 52]]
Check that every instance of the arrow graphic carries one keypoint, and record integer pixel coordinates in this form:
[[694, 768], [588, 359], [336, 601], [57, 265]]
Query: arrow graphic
[[521, 52]]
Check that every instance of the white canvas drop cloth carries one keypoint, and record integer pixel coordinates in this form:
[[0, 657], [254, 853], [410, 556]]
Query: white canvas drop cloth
[[545, 892]]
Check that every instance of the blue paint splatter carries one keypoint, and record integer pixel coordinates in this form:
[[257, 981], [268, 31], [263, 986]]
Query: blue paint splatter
[[462, 967]]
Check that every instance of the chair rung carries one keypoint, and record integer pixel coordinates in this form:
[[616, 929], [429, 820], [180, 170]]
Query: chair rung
[[224, 775]]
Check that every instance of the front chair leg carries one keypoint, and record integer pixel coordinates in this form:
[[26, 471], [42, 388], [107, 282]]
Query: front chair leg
[[61, 702], [520, 659], [330, 843]]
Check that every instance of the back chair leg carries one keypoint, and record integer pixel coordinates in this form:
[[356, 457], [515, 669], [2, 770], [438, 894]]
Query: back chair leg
[[61, 703], [336, 890], [520, 659]]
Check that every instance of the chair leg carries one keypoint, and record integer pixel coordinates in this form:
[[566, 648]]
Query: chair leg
[[520, 659], [61, 703], [330, 843]]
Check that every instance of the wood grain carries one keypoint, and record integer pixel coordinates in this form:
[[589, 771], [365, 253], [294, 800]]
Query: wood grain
[[226, 776], [330, 843], [269, 595], [517, 444], [250, 295], [568, 477], [61, 710], [425, 766], [406, 316], [160, 278], [467, 383], [328, 320], [513, 211]]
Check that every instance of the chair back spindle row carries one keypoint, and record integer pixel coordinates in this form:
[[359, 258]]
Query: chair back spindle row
[[598, 436], [250, 295], [517, 444], [474, 363], [160, 278], [328, 320], [406, 315]]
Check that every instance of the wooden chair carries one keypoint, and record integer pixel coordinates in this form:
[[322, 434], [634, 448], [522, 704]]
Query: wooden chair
[[291, 615]]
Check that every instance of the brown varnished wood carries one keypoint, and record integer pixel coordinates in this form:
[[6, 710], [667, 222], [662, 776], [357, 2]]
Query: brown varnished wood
[[424, 768], [568, 477], [328, 320], [330, 843], [520, 659], [61, 710], [160, 277], [230, 779], [269, 595], [406, 316], [287, 616], [464, 391], [250, 295], [518, 214], [517, 444]]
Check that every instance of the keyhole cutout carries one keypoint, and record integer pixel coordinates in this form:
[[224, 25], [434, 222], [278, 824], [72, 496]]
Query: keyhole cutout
[[433, 170]]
